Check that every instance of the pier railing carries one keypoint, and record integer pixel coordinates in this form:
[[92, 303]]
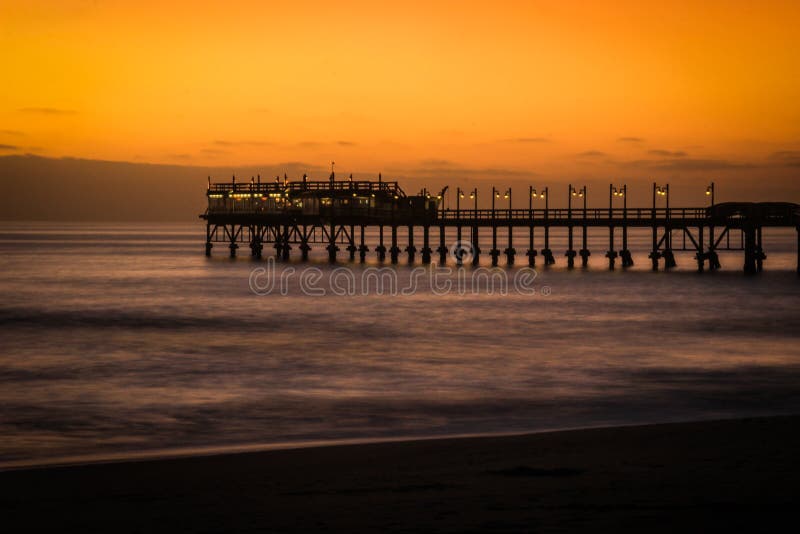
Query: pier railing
[[575, 213]]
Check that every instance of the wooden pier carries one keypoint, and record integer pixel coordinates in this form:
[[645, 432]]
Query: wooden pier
[[287, 214]]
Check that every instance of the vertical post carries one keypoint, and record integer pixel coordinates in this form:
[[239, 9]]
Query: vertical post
[[209, 244], [654, 255], [304, 248], [442, 250], [510, 251], [426, 248], [611, 253], [701, 256], [570, 252], [584, 252], [332, 248], [286, 247], [459, 194], [394, 252], [494, 253], [380, 249], [531, 250], [749, 249], [362, 248], [411, 249]]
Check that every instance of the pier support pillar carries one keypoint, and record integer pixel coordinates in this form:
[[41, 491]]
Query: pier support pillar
[[531, 257], [700, 256], [654, 257], [760, 256], [669, 259], [233, 246], [304, 248], [495, 252], [411, 249], [442, 250], [351, 246], [476, 249], [426, 246], [286, 247], [547, 255], [255, 248], [394, 252], [627, 259], [570, 254], [209, 246], [332, 248], [362, 248], [750, 251], [380, 249], [612, 259], [584, 254]]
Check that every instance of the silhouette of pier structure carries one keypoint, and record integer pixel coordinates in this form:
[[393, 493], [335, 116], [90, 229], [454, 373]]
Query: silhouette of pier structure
[[335, 214]]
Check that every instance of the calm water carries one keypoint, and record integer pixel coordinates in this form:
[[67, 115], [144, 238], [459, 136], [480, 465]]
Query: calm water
[[121, 340]]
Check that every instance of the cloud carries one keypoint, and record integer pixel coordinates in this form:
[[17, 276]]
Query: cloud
[[223, 142], [688, 164], [630, 140], [668, 153], [788, 158], [437, 163], [9, 147], [591, 154], [179, 156], [309, 144], [48, 111], [527, 140], [15, 133], [345, 143], [214, 151]]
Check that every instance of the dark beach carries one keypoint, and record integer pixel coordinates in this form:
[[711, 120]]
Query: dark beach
[[701, 476]]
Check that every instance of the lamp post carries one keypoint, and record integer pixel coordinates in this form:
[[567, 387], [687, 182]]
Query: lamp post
[[611, 254], [494, 253], [570, 254], [476, 250], [622, 192], [669, 258], [510, 251], [710, 193]]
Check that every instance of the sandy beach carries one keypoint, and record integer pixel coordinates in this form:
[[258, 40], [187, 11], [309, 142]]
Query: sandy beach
[[703, 476]]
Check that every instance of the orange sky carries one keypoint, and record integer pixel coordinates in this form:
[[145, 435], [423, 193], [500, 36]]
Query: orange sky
[[554, 88]]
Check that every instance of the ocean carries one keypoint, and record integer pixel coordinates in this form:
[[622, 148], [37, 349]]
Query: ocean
[[124, 340]]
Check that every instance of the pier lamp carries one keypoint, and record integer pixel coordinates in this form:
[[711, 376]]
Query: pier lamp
[[459, 196], [710, 192], [581, 193], [540, 194], [495, 195], [507, 195], [620, 192], [662, 191], [474, 196]]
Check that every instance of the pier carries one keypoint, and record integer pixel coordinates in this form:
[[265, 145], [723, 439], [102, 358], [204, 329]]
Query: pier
[[334, 214]]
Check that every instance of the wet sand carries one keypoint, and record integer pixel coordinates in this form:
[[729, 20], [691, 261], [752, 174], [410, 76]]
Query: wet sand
[[722, 475]]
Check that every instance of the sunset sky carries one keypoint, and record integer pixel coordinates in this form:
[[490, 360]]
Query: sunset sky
[[557, 89]]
